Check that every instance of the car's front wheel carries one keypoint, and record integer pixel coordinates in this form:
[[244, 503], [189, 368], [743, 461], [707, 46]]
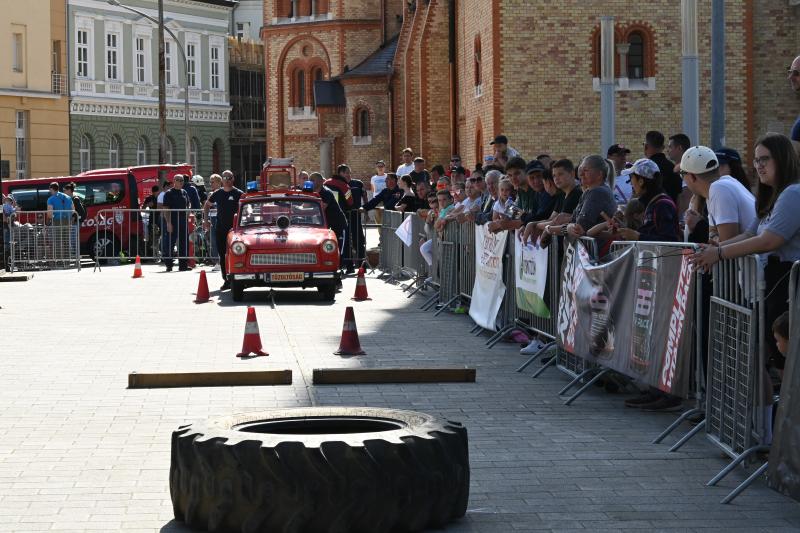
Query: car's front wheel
[[328, 292], [237, 290]]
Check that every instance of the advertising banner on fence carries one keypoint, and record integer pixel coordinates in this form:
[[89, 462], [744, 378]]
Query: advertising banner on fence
[[530, 266], [632, 314], [489, 289]]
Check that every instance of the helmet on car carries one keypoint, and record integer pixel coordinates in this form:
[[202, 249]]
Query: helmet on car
[[197, 179]]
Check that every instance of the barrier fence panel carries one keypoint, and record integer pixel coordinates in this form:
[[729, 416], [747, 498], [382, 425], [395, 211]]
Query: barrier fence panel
[[544, 326], [466, 260], [42, 240], [416, 262], [436, 270], [385, 235], [448, 265], [393, 246], [151, 234], [736, 410], [508, 310]]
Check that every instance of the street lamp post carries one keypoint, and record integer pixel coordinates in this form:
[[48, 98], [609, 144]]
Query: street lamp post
[[161, 74]]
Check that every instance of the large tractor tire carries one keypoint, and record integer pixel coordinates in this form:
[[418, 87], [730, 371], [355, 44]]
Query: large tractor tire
[[320, 469]]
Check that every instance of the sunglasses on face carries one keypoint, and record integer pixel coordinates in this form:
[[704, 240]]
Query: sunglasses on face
[[455, 160]]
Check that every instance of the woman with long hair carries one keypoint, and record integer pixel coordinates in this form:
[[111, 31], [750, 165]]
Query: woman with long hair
[[775, 236], [409, 199]]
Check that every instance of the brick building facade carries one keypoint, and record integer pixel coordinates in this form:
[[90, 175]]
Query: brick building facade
[[463, 71]]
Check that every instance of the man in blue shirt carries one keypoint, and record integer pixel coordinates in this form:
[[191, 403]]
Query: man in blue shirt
[[177, 225], [59, 206]]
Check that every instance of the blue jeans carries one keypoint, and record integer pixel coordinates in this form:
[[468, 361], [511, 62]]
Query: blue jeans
[[179, 236]]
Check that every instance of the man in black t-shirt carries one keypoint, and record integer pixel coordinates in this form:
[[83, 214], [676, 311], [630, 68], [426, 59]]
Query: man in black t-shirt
[[358, 249], [176, 224], [419, 173], [226, 199], [333, 212]]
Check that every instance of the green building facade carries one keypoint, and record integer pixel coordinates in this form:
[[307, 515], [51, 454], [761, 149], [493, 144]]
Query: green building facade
[[114, 84]]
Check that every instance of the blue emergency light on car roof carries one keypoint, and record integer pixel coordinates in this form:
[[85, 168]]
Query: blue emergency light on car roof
[[252, 185], [308, 186]]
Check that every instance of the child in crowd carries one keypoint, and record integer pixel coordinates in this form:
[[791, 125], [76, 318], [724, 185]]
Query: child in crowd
[[505, 200], [780, 330]]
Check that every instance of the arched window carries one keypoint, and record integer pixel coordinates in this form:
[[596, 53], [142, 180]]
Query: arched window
[[478, 61], [636, 56], [193, 154], [170, 151], [300, 88], [114, 151], [86, 153], [216, 156], [141, 151], [362, 122]]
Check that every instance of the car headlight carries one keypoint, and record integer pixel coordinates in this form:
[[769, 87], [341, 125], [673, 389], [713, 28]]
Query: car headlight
[[238, 248], [329, 246]]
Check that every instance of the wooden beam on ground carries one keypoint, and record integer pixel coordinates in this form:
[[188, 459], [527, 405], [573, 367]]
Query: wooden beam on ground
[[352, 376], [209, 379]]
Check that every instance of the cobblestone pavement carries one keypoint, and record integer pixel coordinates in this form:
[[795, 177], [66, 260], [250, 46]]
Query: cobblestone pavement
[[79, 451]]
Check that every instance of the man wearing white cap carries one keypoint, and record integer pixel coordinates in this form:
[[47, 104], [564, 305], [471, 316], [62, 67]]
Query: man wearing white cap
[[731, 207]]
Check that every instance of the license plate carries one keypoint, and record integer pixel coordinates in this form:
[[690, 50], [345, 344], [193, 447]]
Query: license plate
[[288, 276]]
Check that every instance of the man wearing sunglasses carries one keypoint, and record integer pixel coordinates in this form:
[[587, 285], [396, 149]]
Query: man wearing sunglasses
[[794, 81], [455, 162]]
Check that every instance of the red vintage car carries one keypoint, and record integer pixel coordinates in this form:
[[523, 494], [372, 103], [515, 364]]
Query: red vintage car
[[281, 239]]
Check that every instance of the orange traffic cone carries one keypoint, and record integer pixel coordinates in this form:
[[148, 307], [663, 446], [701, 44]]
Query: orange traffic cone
[[202, 289], [137, 268], [252, 339], [361, 287], [349, 344]]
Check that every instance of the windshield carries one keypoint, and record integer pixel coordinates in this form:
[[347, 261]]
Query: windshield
[[266, 212]]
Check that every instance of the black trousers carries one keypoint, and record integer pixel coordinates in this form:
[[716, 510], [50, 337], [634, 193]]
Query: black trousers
[[356, 247], [222, 248], [776, 278]]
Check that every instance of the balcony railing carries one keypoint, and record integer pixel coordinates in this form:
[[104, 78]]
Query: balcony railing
[[58, 83]]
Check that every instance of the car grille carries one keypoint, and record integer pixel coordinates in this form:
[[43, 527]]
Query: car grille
[[283, 259]]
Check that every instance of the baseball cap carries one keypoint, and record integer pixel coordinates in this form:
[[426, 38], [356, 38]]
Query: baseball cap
[[419, 159], [534, 166], [500, 139], [726, 155], [699, 160], [380, 163], [644, 168], [617, 149]]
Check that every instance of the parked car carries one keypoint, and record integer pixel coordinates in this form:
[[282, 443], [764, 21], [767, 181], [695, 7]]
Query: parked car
[[101, 190], [280, 238]]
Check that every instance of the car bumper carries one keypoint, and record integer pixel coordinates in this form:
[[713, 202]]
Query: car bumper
[[278, 279]]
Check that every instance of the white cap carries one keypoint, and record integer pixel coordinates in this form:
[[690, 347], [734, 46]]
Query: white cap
[[699, 160], [197, 179]]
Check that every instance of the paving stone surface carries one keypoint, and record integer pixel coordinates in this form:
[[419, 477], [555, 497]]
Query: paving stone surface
[[81, 452]]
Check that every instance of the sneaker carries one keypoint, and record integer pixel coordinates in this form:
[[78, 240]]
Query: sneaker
[[460, 310], [641, 400], [225, 286], [665, 404], [533, 348]]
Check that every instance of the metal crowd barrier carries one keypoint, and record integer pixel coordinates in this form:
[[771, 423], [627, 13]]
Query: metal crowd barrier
[[391, 261], [448, 265], [42, 240], [466, 260], [125, 233], [794, 315], [545, 328], [508, 308], [415, 263], [735, 419], [436, 270]]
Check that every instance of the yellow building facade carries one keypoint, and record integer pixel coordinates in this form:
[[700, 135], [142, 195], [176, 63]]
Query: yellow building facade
[[34, 103]]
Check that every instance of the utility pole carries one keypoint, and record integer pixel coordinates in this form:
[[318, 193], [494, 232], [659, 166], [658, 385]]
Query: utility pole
[[690, 71], [607, 118], [717, 74], [162, 88]]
